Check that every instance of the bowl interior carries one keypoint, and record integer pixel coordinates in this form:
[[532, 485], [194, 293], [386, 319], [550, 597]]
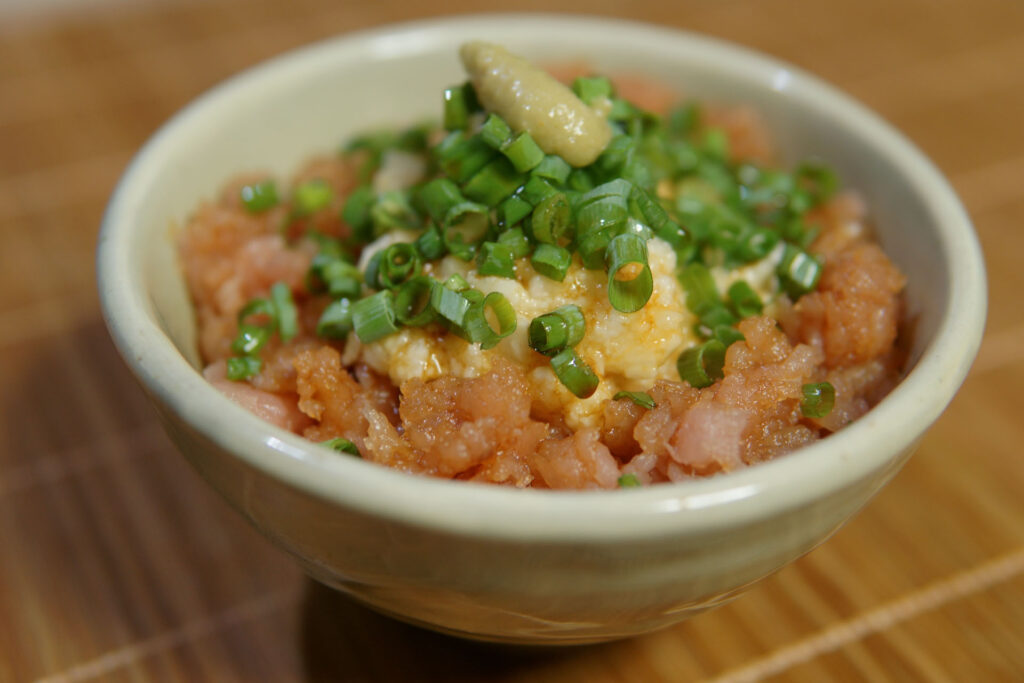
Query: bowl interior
[[311, 101]]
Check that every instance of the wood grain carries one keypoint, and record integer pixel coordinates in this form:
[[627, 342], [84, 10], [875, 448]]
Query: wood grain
[[117, 563]]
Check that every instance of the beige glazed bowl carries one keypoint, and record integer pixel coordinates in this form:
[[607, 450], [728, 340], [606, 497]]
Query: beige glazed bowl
[[483, 561]]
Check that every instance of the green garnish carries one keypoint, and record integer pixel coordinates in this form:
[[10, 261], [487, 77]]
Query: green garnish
[[701, 365], [629, 481], [259, 196], [341, 445], [818, 400], [573, 372], [243, 367], [640, 398]]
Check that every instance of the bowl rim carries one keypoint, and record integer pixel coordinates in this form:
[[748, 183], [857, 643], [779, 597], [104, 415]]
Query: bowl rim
[[797, 479]]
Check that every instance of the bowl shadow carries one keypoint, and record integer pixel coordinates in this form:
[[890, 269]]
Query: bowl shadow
[[342, 640]]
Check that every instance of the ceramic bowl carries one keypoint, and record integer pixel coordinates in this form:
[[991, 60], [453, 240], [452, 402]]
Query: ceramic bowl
[[520, 565]]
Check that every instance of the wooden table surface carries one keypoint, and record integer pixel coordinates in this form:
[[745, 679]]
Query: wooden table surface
[[118, 563]]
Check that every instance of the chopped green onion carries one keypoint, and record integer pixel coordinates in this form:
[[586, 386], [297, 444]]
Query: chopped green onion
[[799, 272], [701, 292], [243, 367], [259, 196], [630, 282], [286, 314], [356, 212], [745, 301], [702, 365], [629, 481], [393, 211], [341, 445], [640, 398], [311, 196], [552, 220], [461, 157], [523, 152], [551, 261], [513, 210], [495, 132], [336, 320], [457, 107], [449, 303], [684, 119], [515, 240], [439, 196], [580, 180], [553, 332], [493, 182], [573, 372], [398, 263], [262, 309], [477, 326], [250, 338], [412, 301], [820, 181], [339, 277], [819, 399], [728, 335], [430, 244], [715, 143], [374, 317], [464, 226], [495, 258], [536, 189], [756, 244], [714, 317], [553, 168], [456, 283], [591, 88], [592, 248]]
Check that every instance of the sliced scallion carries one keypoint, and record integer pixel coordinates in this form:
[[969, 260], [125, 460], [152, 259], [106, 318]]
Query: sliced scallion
[[551, 261], [515, 240], [551, 221], [523, 152], [799, 272], [430, 244], [250, 338], [629, 481], [702, 365], [744, 300], [243, 367], [259, 196], [591, 88], [398, 263], [553, 168], [699, 285], [495, 258], [573, 372], [341, 445], [374, 317], [640, 398], [818, 400], [285, 312], [553, 332], [493, 182], [311, 196], [336, 320], [449, 303], [495, 132], [412, 301], [477, 324], [630, 282]]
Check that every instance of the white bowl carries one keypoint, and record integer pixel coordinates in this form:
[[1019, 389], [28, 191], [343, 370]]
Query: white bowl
[[513, 565]]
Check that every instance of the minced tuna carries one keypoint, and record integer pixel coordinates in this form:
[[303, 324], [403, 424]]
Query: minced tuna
[[458, 301]]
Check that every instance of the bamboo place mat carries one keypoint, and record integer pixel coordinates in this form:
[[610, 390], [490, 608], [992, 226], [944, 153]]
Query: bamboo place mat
[[118, 563]]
